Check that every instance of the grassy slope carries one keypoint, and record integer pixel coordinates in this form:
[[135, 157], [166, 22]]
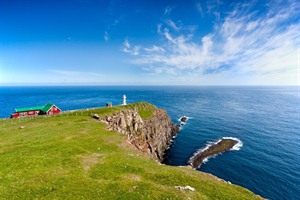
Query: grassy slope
[[74, 157]]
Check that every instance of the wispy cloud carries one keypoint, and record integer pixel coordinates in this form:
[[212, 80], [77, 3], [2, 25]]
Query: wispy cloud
[[106, 36], [244, 43], [74, 73], [154, 48], [173, 25], [168, 10], [199, 8], [128, 48]]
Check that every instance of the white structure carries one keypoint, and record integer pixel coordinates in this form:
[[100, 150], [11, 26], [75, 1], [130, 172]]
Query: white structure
[[124, 99]]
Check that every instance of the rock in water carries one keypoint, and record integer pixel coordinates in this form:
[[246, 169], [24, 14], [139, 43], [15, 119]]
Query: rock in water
[[183, 119], [219, 147]]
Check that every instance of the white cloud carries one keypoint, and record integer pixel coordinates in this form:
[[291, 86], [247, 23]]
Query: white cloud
[[168, 10], [172, 25], [133, 50], [126, 44], [106, 36], [154, 48], [244, 44], [159, 31], [168, 35], [199, 8], [74, 73]]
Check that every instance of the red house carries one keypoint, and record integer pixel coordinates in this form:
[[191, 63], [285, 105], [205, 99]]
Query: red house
[[48, 109]]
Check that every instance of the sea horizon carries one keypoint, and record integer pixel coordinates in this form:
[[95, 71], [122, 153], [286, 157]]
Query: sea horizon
[[195, 85]]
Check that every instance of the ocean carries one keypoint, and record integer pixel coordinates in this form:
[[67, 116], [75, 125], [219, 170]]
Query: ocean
[[265, 119]]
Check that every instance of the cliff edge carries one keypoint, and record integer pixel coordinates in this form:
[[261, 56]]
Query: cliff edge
[[71, 156], [148, 128]]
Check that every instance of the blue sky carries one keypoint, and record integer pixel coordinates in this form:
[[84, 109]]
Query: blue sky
[[119, 42]]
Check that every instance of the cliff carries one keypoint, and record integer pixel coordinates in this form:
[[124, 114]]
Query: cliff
[[71, 156], [151, 134]]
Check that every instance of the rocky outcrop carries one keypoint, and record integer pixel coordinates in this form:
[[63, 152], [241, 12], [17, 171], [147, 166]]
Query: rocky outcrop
[[152, 136], [220, 146]]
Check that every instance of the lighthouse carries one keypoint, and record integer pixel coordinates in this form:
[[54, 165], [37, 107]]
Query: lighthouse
[[124, 99]]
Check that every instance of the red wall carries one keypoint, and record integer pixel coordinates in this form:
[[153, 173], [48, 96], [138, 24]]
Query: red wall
[[33, 112], [53, 111], [15, 115], [25, 114]]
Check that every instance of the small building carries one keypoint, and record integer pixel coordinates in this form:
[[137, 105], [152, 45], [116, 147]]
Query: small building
[[108, 104], [48, 109]]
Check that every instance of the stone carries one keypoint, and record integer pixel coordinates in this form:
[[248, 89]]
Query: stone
[[108, 118], [183, 119], [186, 188], [95, 116]]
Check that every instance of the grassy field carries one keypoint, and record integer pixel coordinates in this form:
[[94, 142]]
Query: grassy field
[[72, 156]]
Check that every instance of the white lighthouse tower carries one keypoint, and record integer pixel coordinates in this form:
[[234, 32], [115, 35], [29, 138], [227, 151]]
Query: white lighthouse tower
[[124, 99]]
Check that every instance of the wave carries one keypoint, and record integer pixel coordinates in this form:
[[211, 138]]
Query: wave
[[237, 146]]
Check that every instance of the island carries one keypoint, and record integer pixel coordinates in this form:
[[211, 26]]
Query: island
[[225, 144]]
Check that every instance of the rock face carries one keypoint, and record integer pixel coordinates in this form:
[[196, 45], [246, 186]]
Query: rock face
[[152, 136]]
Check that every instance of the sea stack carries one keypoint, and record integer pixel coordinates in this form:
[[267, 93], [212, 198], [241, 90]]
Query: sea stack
[[183, 119], [225, 144]]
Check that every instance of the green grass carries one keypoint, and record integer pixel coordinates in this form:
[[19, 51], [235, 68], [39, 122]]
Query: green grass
[[72, 156]]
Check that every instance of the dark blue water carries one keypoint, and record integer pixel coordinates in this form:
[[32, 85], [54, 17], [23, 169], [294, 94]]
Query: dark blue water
[[265, 119]]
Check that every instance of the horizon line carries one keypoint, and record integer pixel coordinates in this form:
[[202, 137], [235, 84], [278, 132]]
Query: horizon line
[[142, 85]]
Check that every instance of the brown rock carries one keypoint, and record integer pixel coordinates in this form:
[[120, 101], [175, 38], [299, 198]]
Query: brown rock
[[220, 147], [151, 136]]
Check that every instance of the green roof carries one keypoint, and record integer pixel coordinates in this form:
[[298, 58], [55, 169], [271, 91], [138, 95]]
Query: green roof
[[29, 108], [44, 108], [47, 107]]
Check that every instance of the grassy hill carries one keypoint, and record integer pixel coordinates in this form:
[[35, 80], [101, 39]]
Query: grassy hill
[[72, 156]]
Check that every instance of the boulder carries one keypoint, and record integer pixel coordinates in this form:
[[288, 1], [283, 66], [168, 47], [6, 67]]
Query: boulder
[[186, 188], [95, 116]]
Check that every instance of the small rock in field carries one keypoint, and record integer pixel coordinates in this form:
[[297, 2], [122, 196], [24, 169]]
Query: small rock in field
[[185, 188], [95, 116]]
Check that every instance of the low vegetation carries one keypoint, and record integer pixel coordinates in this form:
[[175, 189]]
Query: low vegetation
[[72, 156]]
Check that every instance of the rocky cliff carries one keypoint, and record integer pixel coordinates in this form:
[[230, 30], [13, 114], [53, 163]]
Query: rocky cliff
[[151, 135]]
